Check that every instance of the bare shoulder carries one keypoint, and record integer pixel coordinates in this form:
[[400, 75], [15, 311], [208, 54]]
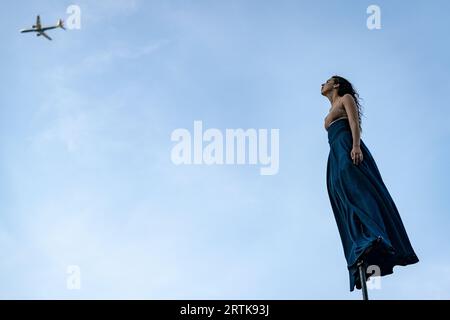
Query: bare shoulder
[[348, 102], [348, 98]]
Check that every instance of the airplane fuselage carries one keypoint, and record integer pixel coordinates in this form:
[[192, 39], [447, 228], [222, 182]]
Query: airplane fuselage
[[40, 31]]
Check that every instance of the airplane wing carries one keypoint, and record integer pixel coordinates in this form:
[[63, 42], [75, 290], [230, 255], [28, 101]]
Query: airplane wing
[[38, 22], [45, 35]]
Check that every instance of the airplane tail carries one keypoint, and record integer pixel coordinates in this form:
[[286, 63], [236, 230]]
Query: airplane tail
[[61, 24]]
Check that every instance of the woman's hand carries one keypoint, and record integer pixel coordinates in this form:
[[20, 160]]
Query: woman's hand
[[356, 155]]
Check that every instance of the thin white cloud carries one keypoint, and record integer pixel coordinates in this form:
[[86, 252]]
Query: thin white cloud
[[102, 61], [97, 11]]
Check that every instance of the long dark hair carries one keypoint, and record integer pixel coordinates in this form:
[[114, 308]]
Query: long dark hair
[[346, 87]]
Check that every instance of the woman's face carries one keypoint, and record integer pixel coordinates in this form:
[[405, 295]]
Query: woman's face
[[327, 86]]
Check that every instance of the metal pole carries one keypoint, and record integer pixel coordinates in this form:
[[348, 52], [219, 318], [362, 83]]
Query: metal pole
[[362, 278]]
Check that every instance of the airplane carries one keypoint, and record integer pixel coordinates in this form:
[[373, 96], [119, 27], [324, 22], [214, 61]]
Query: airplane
[[40, 31]]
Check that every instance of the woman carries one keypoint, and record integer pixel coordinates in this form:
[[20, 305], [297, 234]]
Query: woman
[[369, 224]]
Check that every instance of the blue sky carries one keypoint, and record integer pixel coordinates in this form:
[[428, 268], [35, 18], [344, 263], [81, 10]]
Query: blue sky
[[86, 173]]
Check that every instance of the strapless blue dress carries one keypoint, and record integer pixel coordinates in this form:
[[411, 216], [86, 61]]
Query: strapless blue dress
[[368, 221]]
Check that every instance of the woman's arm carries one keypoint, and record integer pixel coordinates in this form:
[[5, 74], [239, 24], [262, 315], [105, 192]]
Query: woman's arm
[[352, 113]]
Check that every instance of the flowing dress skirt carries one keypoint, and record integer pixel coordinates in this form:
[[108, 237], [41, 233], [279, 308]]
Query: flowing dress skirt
[[368, 221]]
